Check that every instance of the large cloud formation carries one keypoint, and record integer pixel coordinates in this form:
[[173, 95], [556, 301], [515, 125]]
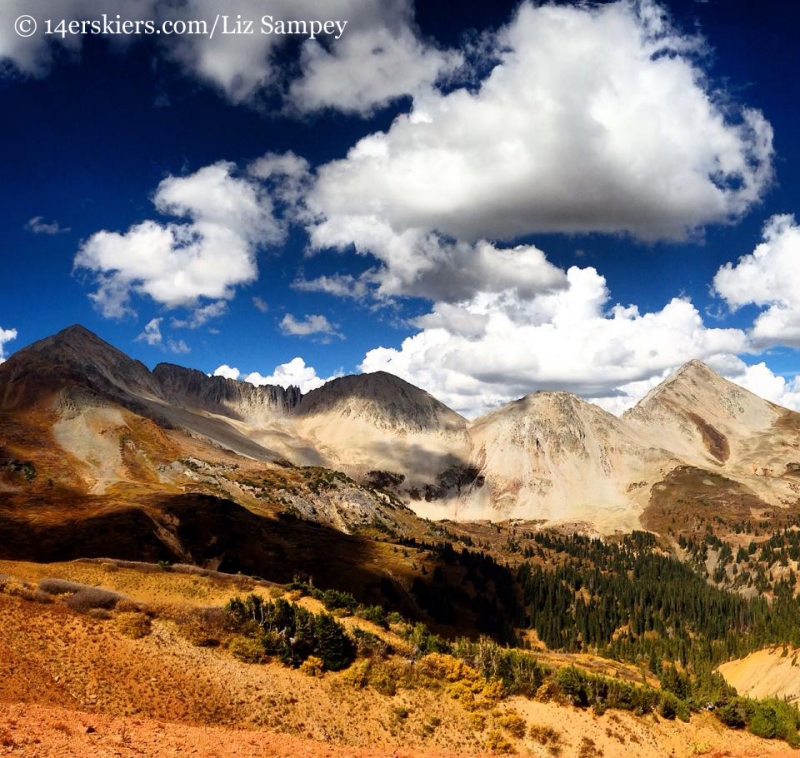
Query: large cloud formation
[[379, 58], [228, 217], [494, 348], [592, 119], [595, 119], [769, 277]]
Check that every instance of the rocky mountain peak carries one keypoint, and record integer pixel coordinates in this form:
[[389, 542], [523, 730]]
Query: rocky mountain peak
[[384, 400], [75, 357]]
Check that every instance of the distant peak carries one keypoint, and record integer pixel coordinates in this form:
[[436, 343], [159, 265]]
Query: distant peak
[[75, 332], [695, 365], [77, 341]]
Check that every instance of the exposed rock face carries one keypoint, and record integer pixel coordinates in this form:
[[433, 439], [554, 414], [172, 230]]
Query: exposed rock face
[[226, 397], [714, 424], [75, 359], [384, 401], [547, 456], [553, 456], [702, 417], [380, 422]]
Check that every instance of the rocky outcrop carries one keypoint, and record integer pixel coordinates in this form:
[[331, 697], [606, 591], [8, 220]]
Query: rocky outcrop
[[385, 402], [226, 397], [78, 360], [553, 456], [377, 421]]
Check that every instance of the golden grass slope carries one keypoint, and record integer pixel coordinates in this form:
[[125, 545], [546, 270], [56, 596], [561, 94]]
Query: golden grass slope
[[78, 684]]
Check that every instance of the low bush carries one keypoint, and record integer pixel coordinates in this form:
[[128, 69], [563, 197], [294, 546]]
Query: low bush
[[204, 627], [312, 666], [93, 598], [61, 586], [514, 724], [369, 645], [447, 668], [246, 649], [497, 743], [374, 613], [134, 625], [545, 735]]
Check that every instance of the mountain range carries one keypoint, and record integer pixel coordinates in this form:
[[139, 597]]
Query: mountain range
[[79, 417]]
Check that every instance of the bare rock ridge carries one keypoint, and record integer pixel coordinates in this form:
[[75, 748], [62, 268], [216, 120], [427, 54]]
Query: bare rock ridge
[[547, 456], [384, 400], [555, 455], [701, 416], [227, 397], [73, 358], [716, 425], [379, 422]]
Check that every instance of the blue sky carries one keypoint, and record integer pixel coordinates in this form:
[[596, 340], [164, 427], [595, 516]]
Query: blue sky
[[486, 199]]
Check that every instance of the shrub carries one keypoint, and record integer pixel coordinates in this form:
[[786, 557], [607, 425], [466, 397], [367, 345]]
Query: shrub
[[382, 678], [588, 749], [513, 723], [773, 718], [335, 600], [374, 613], [670, 706], [61, 586], [424, 641], [93, 598], [545, 735], [203, 627], [246, 649], [732, 713], [358, 674], [333, 645], [134, 625], [573, 684], [370, 645], [447, 668], [477, 721], [497, 743], [312, 666]]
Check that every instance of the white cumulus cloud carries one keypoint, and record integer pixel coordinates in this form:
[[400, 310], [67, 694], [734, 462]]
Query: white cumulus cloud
[[229, 372], [152, 333], [294, 373], [769, 277], [393, 61], [202, 315], [6, 335], [368, 68], [379, 57], [312, 324], [227, 218], [420, 264], [493, 348], [597, 118]]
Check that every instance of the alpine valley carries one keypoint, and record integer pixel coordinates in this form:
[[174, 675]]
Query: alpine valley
[[496, 585]]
